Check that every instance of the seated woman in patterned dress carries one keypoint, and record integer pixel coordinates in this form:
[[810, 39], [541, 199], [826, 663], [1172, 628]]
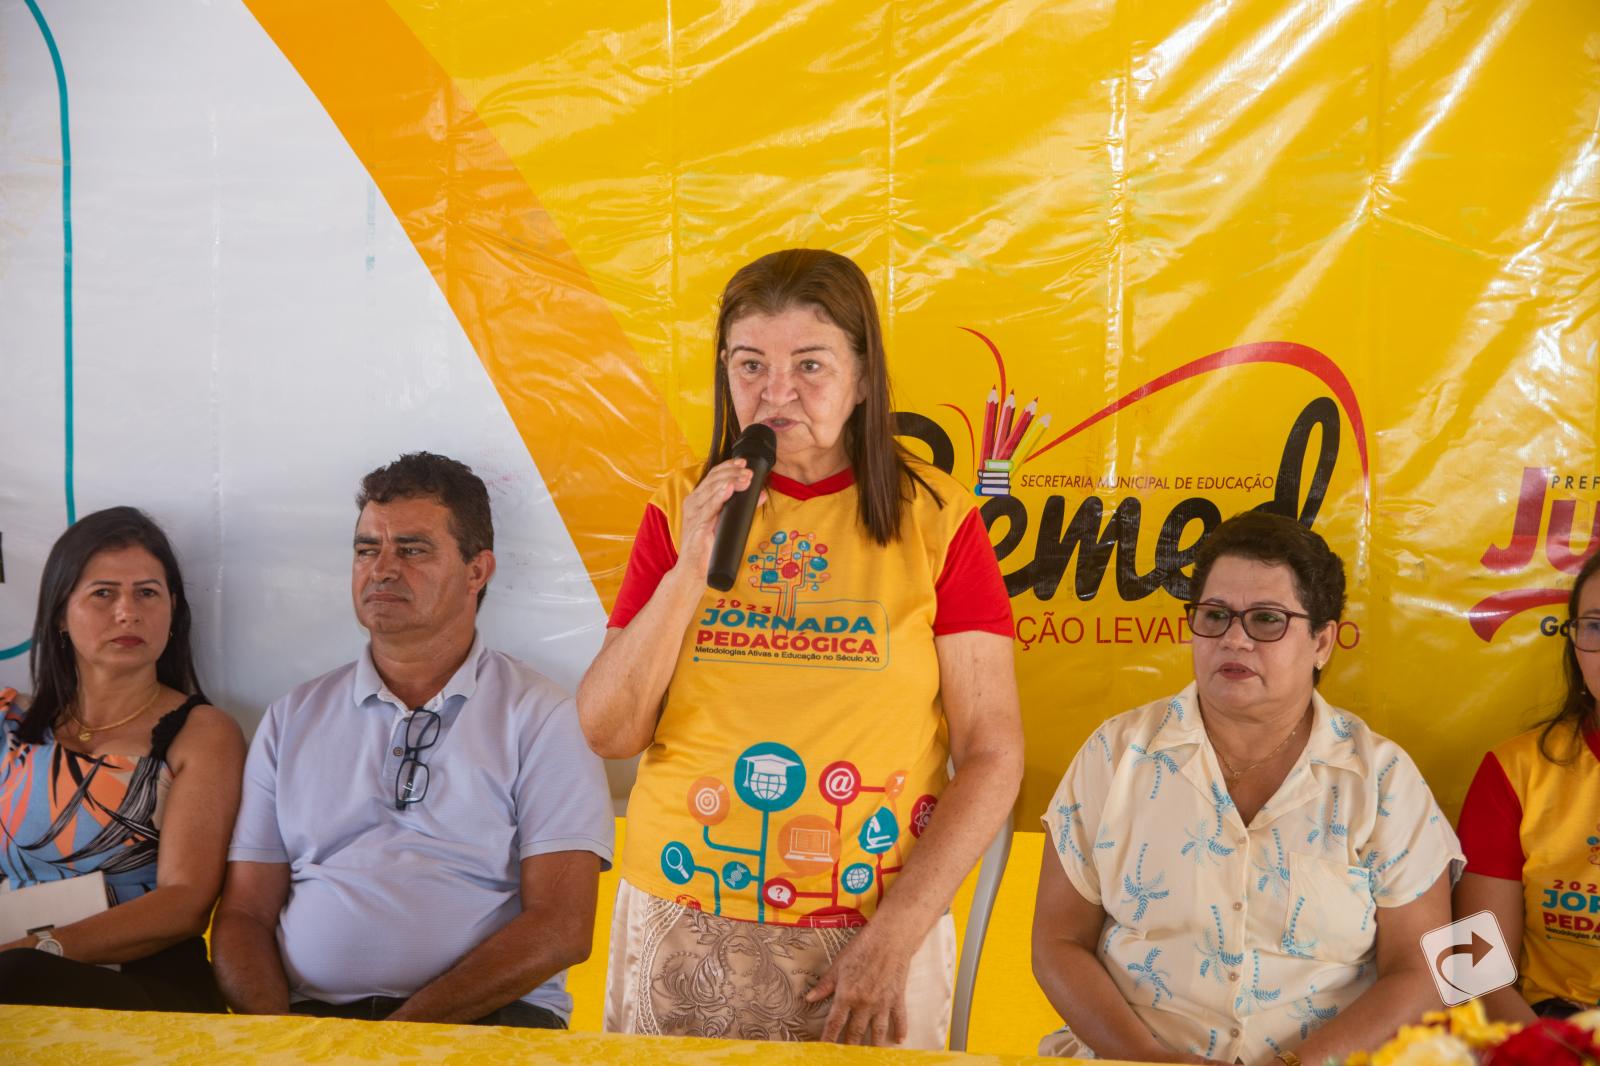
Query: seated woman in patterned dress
[[1241, 872], [119, 768]]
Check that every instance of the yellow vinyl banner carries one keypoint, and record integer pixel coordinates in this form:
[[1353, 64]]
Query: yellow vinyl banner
[[1142, 266]]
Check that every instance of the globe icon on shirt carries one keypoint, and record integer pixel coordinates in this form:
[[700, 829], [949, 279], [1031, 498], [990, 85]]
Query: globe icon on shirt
[[768, 786], [769, 777]]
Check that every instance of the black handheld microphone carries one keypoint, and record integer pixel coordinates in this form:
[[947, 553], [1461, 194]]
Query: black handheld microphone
[[758, 447]]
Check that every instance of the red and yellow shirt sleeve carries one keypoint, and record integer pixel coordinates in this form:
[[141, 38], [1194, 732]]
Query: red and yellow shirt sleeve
[[654, 553], [970, 592], [1490, 824]]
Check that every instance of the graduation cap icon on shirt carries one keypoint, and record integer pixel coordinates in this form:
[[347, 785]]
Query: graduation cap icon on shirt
[[767, 775]]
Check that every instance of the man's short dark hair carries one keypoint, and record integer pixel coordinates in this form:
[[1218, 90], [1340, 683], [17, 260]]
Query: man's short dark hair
[[451, 482]]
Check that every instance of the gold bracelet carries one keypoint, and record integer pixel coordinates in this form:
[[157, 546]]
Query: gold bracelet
[[1289, 1058]]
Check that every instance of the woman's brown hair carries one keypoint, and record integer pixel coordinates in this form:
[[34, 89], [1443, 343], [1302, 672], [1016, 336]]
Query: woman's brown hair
[[835, 288]]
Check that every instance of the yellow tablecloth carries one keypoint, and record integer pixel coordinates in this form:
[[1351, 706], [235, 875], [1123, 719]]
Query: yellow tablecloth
[[73, 1037]]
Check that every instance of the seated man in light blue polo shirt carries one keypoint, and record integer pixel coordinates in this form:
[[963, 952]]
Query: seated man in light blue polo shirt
[[422, 830]]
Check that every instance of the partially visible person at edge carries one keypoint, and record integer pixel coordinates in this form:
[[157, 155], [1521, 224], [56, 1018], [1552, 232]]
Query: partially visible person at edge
[[1241, 872], [422, 830], [793, 840], [1530, 827], [118, 767]]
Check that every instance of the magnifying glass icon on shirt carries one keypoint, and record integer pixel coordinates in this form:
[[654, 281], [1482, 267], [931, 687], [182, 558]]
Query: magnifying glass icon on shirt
[[675, 863]]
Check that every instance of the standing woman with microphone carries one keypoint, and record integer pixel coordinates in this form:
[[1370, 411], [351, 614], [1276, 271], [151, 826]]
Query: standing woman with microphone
[[793, 838]]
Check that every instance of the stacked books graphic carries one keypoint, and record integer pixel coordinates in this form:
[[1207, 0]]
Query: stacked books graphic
[[994, 478]]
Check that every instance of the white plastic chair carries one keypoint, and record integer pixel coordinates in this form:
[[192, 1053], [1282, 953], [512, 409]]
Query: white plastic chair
[[991, 868]]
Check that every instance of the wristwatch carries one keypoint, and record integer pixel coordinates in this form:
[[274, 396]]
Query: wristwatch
[[45, 942], [1289, 1058]]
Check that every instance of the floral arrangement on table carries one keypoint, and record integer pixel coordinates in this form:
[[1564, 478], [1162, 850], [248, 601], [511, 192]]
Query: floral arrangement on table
[[1464, 1036]]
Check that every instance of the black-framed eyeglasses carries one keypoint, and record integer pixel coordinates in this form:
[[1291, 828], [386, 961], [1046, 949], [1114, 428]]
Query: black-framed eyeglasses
[[1261, 624], [411, 784], [1584, 633]]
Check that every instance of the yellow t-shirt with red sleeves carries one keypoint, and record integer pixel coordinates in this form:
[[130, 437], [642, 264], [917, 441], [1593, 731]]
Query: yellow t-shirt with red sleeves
[[802, 747], [1528, 819]]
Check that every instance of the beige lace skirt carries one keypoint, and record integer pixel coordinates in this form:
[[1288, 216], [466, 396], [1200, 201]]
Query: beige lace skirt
[[676, 971]]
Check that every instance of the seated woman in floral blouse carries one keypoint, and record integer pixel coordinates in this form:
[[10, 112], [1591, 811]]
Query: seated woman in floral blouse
[[1241, 872]]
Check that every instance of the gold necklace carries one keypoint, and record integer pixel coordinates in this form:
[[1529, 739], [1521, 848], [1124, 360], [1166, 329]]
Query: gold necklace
[[1234, 775], [85, 733]]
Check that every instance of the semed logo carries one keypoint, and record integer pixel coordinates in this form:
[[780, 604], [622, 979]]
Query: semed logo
[[1037, 541]]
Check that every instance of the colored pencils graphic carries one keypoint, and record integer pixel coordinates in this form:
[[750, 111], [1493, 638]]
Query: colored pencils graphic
[[989, 411], [1003, 430], [1030, 440], [1009, 448]]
